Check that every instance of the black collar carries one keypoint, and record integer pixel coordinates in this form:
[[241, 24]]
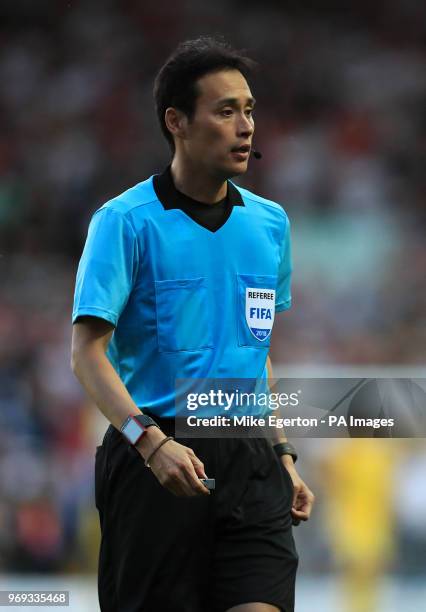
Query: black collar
[[171, 198]]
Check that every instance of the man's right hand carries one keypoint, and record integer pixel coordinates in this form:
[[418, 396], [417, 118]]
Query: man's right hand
[[174, 465]]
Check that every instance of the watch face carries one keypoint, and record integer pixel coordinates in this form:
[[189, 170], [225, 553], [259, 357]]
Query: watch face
[[132, 431]]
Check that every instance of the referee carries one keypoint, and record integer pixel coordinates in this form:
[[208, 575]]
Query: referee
[[163, 292]]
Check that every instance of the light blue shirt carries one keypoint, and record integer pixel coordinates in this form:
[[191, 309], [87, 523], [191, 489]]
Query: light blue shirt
[[185, 302]]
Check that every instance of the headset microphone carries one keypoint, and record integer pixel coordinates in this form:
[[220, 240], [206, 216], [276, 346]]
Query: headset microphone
[[257, 154]]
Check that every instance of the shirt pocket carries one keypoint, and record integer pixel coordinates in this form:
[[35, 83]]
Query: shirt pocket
[[255, 309], [183, 321]]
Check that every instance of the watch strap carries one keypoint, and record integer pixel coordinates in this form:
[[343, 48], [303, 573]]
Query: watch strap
[[285, 448], [146, 421]]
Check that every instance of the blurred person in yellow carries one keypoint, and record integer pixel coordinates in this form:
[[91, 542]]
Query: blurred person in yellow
[[359, 516]]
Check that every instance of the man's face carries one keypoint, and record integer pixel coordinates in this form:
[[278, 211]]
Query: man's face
[[222, 122]]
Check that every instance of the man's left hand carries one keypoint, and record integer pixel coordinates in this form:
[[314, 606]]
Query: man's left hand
[[303, 498]]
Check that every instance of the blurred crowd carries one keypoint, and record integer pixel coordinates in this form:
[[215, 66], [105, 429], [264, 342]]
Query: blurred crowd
[[340, 122]]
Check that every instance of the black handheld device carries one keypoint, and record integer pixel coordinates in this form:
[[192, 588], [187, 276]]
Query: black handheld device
[[209, 483]]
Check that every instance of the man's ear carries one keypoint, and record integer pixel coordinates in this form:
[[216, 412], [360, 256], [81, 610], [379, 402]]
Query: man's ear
[[176, 122]]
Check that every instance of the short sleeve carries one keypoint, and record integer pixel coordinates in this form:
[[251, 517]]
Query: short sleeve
[[283, 297], [107, 267]]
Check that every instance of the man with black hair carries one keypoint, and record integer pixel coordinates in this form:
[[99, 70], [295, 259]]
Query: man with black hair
[[161, 293]]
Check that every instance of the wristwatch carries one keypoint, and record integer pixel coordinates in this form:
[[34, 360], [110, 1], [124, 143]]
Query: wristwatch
[[285, 448], [135, 426]]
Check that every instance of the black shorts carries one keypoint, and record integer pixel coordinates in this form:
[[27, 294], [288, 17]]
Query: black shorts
[[201, 554]]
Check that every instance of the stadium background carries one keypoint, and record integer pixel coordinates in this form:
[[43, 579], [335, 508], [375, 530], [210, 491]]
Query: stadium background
[[341, 125]]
